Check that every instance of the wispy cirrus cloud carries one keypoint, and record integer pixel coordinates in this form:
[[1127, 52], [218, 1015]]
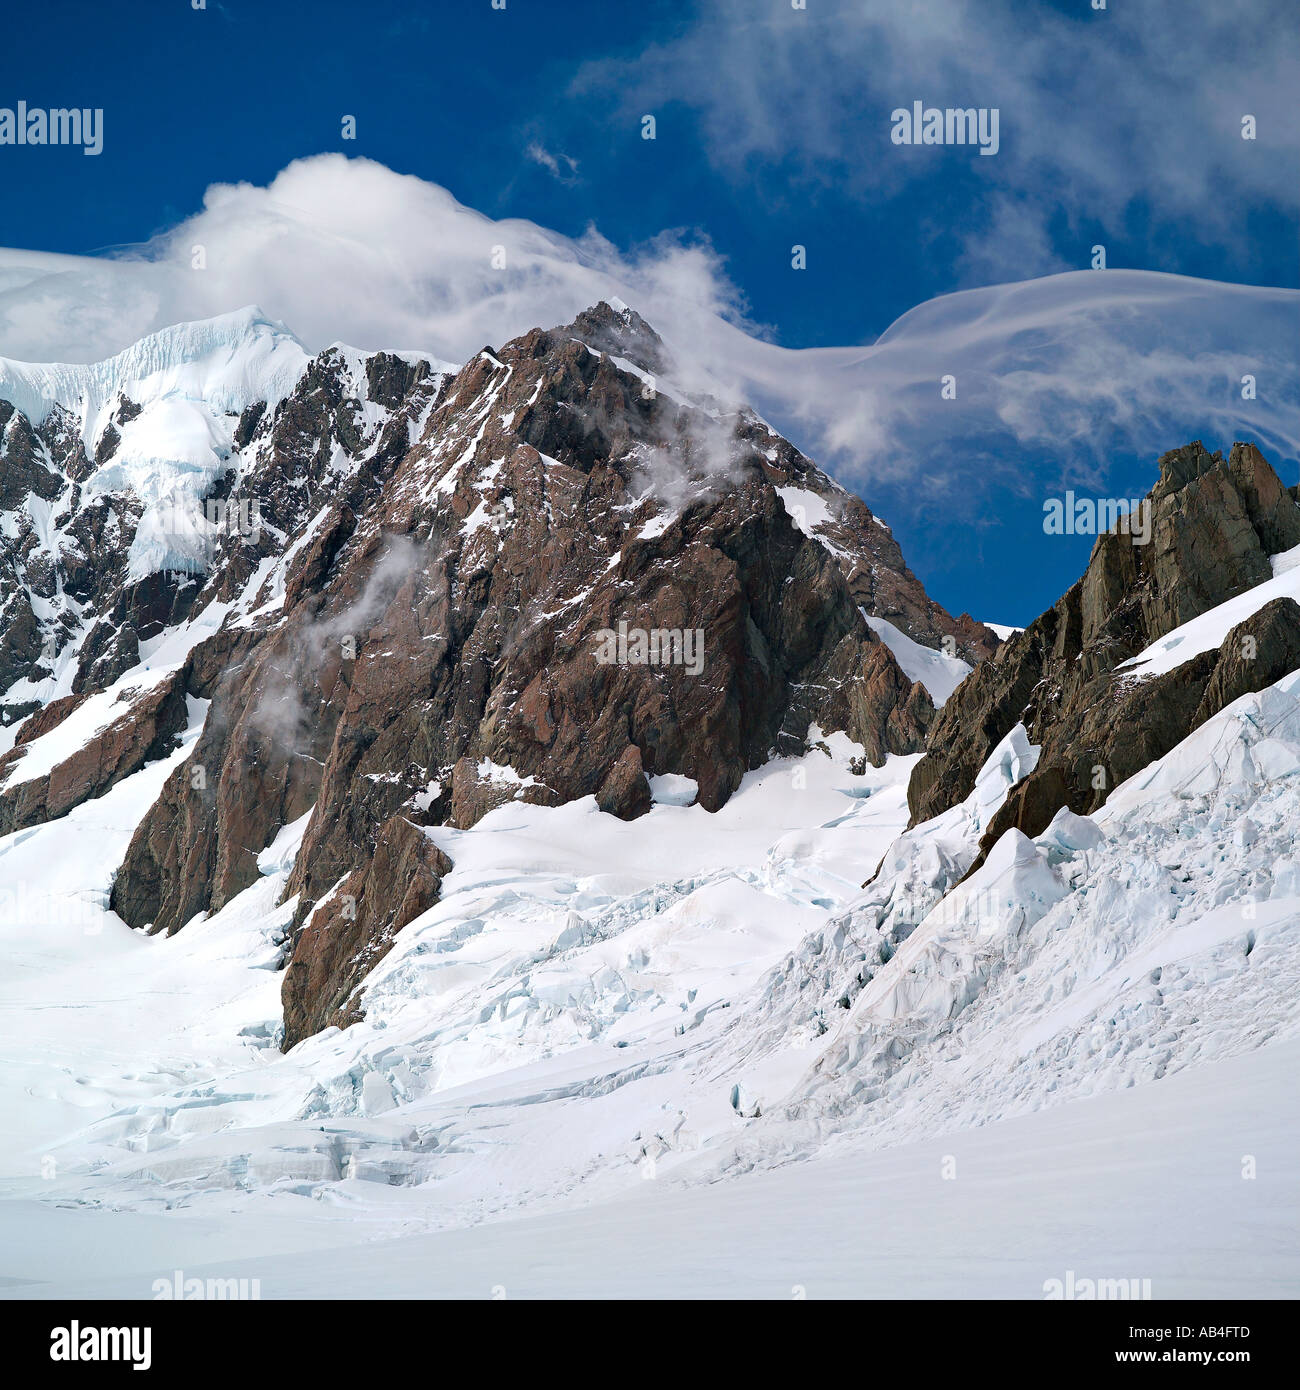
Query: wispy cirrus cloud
[[559, 165], [1110, 118]]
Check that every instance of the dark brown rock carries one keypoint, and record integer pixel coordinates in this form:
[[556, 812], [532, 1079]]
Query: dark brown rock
[[1098, 723], [146, 730], [354, 928], [625, 791]]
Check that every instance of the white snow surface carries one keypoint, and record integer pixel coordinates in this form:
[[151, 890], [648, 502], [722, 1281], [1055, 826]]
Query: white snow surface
[[939, 673], [991, 1213], [604, 1026]]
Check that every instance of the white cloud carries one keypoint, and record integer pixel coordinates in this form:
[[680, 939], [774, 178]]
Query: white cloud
[[1075, 365], [1010, 243], [562, 166], [1137, 108], [340, 248]]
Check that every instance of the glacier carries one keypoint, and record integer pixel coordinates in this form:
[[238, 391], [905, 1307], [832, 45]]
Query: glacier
[[599, 1024]]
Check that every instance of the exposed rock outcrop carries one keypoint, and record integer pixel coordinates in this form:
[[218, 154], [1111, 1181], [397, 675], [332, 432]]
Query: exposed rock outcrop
[[552, 574], [146, 730], [354, 928], [1215, 523]]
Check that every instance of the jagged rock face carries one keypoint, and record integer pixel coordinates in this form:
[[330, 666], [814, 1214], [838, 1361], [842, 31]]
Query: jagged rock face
[[443, 648], [68, 552], [43, 463], [69, 558], [354, 929], [1214, 525], [255, 767], [145, 730], [542, 578]]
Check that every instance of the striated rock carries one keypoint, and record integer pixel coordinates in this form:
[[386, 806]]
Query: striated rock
[[1214, 526], [478, 787], [20, 649], [310, 567], [145, 731], [1205, 549], [1256, 653], [254, 768], [625, 792], [1269, 504], [354, 928], [25, 463], [485, 667]]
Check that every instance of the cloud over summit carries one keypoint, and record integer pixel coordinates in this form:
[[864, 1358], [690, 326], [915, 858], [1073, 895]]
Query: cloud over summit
[[1055, 378]]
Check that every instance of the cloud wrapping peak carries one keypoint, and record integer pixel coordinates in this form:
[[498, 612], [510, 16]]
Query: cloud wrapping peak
[[1073, 367]]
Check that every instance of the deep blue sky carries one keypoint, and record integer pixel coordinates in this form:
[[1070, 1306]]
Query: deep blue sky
[[770, 131], [455, 92]]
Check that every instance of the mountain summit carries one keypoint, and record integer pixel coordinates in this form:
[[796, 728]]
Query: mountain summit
[[393, 594]]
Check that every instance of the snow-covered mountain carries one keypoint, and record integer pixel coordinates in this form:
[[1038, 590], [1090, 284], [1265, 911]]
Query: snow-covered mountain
[[359, 881], [116, 478]]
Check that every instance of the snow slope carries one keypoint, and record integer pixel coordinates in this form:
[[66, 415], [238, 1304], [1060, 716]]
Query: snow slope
[[686, 999], [939, 673], [1111, 951], [1142, 1184], [563, 934], [1206, 632], [593, 997]]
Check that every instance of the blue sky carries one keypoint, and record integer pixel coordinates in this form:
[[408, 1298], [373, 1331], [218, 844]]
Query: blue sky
[[1119, 127]]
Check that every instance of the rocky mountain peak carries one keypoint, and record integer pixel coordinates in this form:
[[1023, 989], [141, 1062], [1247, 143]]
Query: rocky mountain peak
[[1182, 466], [621, 332], [398, 594]]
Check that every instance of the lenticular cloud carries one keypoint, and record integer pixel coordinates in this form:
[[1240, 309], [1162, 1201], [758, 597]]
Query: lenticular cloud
[[1069, 370]]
